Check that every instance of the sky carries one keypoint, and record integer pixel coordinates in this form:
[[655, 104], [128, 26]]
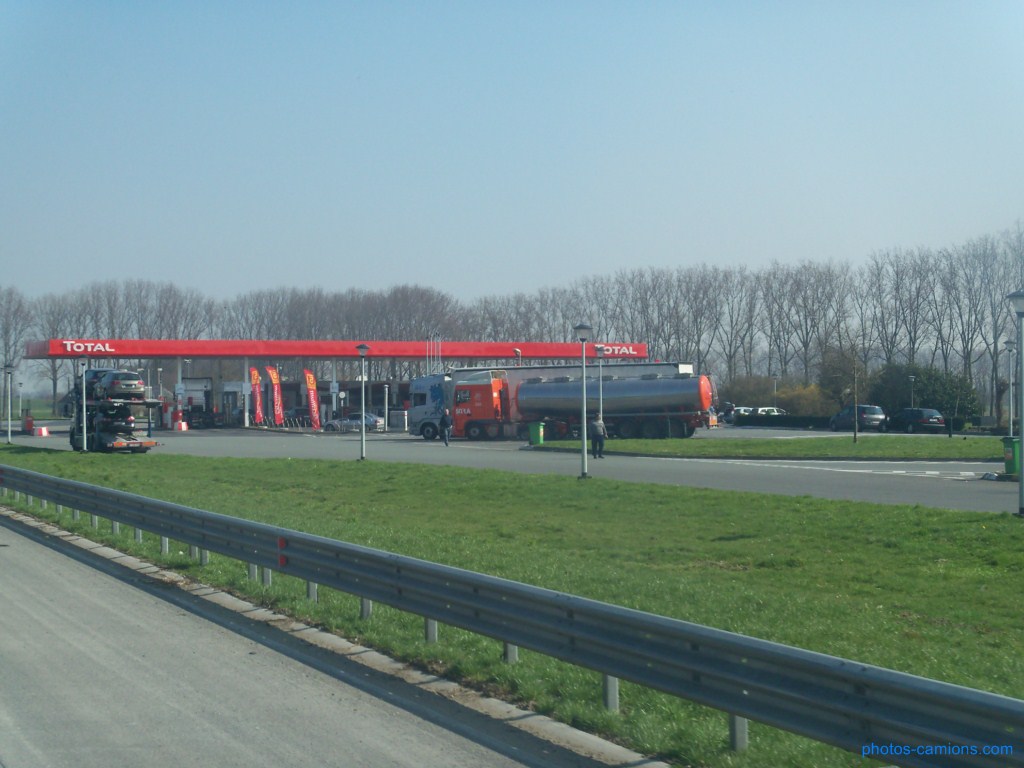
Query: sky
[[489, 148]]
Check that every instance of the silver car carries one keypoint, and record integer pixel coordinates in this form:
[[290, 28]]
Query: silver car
[[352, 423]]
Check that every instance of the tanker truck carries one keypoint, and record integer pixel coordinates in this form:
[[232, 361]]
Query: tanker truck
[[649, 400]]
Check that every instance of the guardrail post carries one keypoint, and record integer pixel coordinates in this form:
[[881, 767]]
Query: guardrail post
[[138, 535], [204, 557], [365, 608], [254, 572], [165, 545], [115, 527], [266, 577], [738, 739], [94, 521], [510, 653], [76, 514], [193, 552], [60, 510], [311, 591], [611, 693], [42, 503], [430, 630]]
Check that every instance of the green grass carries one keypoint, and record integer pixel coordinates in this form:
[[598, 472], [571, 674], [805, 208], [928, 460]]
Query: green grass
[[805, 446], [931, 592]]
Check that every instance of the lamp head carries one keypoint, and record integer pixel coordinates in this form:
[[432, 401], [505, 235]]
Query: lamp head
[[363, 349], [583, 331], [1016, 300]]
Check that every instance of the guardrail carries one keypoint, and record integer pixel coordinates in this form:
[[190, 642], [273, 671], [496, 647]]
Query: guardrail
[[854, 706]]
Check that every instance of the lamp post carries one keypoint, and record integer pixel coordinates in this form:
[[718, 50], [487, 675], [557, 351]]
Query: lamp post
[[387, 402], [599, 349], [21, 410], [9, 373], [583, 333], [911, 390], [83, 365], [1010, 344], [1017, 302], [363, 349]]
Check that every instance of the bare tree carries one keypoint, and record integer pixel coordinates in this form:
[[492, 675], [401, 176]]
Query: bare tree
[[52, 319], [15, 323]]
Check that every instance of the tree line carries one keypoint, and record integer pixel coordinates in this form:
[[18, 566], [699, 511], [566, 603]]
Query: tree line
[[934, 309]]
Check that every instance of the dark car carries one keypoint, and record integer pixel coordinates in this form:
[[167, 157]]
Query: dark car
[[92, 377], [120, 385], [916, 420], [868, 417]]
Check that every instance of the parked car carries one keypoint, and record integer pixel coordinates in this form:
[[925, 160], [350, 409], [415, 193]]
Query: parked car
[[738, 410], [868, 417], [353, 421], [120, 385], [916, 420], [770, 411]]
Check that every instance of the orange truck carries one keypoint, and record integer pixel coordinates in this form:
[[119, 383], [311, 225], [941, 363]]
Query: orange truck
[[649, 400]]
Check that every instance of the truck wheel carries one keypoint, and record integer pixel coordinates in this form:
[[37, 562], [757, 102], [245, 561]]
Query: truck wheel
[[475, 431], [429, 431]]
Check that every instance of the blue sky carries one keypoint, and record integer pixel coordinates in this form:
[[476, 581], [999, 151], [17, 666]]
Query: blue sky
[[494, 147]]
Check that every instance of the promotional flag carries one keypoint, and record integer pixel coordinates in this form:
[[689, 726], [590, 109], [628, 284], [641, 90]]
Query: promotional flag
[[313, 397], [275, 381], [257, 395]]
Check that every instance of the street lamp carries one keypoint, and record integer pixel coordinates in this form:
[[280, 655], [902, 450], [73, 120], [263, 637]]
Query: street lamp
[[911, 390], [387, 402], [83, 365], [1017, 302], [1010, 359], [21, 411], [583, 333], [363, 349], [9, 373], [599, 349]]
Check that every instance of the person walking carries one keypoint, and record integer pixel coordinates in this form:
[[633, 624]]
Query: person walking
[[597, 435], [446, 426]]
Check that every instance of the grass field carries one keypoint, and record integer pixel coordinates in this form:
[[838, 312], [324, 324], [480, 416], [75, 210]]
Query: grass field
[[804, 445], [930, 592]]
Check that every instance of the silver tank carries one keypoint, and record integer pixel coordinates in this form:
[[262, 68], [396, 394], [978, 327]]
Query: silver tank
[[536, 399]]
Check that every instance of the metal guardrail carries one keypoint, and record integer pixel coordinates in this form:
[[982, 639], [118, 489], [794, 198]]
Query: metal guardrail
[[913, 721]]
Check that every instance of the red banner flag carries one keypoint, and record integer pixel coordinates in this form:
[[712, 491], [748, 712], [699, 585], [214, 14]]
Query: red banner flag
[[257, 395], [275, 381], [313, 397]]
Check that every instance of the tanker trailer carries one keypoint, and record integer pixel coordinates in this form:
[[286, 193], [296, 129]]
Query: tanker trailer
[[651, 406]]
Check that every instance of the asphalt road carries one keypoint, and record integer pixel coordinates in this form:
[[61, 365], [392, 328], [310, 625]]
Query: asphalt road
[[959, 485], [131, 671]]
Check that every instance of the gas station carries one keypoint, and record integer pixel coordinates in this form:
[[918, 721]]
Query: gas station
[[227, 393]]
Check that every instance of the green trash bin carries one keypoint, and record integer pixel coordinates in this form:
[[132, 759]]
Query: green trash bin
[[537, 433], [1011, 455]]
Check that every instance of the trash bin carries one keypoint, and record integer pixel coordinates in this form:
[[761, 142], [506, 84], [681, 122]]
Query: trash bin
[[1011, 455], [537, 433]]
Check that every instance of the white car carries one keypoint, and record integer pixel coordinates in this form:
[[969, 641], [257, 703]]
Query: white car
[[352, 422], [770, 411]]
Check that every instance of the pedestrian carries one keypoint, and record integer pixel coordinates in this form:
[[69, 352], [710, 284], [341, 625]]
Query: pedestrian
[[597, 435], [446, 426]]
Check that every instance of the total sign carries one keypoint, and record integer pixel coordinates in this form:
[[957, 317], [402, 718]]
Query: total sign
[[80, 347]]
